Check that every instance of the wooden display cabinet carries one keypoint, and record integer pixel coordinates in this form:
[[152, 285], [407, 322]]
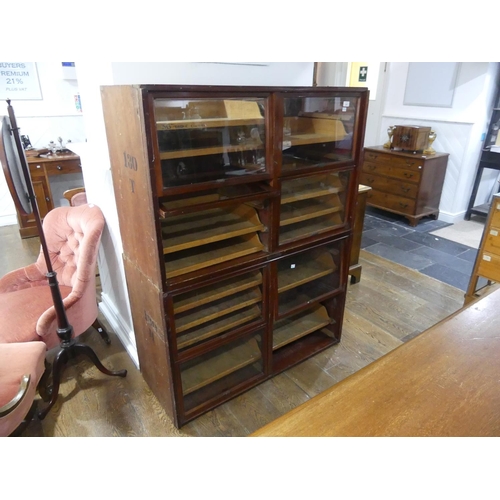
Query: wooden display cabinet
[[236, 209]]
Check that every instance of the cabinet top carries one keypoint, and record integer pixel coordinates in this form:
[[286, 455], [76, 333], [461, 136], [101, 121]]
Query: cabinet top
[[242, 89], [56, 157], [409, 154]]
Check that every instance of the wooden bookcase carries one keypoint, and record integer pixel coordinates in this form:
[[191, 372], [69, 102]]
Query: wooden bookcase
[[236, 211]]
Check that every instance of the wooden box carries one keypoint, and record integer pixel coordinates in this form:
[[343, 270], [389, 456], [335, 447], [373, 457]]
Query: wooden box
[[410, 138]]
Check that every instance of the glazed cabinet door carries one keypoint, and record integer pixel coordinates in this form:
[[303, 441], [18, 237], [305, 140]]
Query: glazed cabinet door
[[309, 286], [313, 205], [317, 132], [217, 334], [209, 140]]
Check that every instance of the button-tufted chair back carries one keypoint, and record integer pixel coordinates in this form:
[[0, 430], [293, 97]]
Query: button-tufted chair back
[[73, 235]]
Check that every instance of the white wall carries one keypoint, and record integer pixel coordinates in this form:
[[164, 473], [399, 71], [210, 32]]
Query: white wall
[[459, 128], [44, 120], [95, 159]]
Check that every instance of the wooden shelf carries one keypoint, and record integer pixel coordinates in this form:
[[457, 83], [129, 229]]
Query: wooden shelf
[[314, 130], [305, 188], [196, 298], [305, 270], [290, 163], [306, 294], [219, 366], [308, 228], [303, 139], [171, 155], [192, 230], [217, 309], [218, 326], [291, 213], [293, 328], [194, 259], [208, 123]]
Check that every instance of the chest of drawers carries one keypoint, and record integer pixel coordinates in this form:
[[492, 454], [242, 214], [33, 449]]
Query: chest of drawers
[[404, 183]]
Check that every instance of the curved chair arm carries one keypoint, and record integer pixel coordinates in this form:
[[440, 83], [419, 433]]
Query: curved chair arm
[[48, 319], [23, 277], [74, 305], [18, 398]]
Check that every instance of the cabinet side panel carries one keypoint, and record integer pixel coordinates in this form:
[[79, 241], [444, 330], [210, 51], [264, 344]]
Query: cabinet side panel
[[123, 116], [431, 185], [150, 331]]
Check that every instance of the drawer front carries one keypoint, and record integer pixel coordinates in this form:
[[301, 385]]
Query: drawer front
[[391, 202], [489, 266], [396, 161], [392, 171], [63, 167], [492, 241], [37, 169], [388, 185]]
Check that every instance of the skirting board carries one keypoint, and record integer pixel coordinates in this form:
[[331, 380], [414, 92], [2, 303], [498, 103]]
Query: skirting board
[[451, 218], [120, 327]]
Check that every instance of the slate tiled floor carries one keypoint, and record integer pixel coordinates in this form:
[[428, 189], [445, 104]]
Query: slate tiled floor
[[390, 236]]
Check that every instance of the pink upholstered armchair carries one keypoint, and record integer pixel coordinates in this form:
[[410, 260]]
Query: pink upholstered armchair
[[73, 235]]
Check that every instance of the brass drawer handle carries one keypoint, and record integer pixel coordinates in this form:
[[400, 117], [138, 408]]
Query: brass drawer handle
[[405, 189], [410, 163], [403, 205], [370, 179], [372, 156], [408, 175], [372, 167]]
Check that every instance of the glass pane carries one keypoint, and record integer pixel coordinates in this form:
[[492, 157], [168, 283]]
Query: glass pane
[[308, 277], [198, 239], [317, 131], [210, 311], [312, 205], [204, 140], [255, 192], [218, 371]]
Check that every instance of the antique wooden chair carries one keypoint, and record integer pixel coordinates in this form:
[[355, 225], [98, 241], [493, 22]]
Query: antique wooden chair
[[76, 196]]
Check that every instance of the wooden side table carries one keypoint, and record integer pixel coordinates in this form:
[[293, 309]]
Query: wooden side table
[[359, 217]]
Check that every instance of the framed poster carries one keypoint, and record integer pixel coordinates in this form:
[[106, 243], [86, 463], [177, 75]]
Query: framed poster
[[19, 81], [431, 84]]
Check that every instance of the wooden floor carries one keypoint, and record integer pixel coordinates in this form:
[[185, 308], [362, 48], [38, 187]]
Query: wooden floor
[[390, 305]]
